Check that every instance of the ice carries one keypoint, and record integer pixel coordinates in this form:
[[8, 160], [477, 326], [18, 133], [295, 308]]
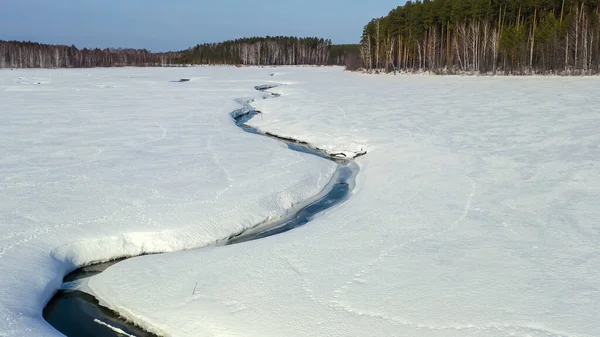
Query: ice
[[475, 214], [101, 163], [117, 330]]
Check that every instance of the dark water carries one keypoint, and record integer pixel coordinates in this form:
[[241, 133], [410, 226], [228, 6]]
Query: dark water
[[338, 193], [74, 313]]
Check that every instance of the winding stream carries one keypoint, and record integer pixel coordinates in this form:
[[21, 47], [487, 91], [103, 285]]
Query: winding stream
[[78, 314]]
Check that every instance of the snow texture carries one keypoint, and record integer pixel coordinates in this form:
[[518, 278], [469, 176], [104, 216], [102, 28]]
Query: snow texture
[[103, 163], [475, 214]]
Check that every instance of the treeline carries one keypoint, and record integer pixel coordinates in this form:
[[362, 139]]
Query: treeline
[[14, 54], [345, 55], [278, 50], [486, 36], [248, 51]]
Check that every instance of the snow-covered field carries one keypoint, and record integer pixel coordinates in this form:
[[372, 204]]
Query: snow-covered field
[[96, 164], [475, 212]]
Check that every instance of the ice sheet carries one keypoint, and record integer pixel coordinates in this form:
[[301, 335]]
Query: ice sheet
[[101, 163], [475, 214]]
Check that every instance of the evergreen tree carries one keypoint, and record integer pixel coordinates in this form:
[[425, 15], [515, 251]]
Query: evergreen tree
[[488, 36]]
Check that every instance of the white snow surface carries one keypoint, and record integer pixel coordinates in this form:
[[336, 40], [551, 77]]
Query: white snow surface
[[102, 163], [475, 214]]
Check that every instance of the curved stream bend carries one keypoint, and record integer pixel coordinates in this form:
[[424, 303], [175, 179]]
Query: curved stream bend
[[78, 314]]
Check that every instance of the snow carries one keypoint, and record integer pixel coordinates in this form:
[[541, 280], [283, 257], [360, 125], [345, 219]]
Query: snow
[[98, 164], [474, 214], [117, 330]]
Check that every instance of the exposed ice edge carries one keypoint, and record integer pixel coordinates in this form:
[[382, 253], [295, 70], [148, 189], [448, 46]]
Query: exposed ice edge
[[117, 330], [332, 154], [135, 245], [292, 211], [346, 156], [247, 109]]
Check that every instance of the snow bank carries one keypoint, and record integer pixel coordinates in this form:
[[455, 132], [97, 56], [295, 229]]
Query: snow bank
[[98, 164], [475, 214]]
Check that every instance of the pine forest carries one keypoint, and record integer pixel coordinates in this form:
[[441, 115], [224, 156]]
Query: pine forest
[[486, 36]]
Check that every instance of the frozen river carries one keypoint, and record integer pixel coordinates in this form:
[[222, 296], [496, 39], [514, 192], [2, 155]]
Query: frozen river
[[76, 313], [474, 213]]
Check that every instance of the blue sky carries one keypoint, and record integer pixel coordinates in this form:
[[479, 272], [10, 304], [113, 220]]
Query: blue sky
[[161, 25]]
